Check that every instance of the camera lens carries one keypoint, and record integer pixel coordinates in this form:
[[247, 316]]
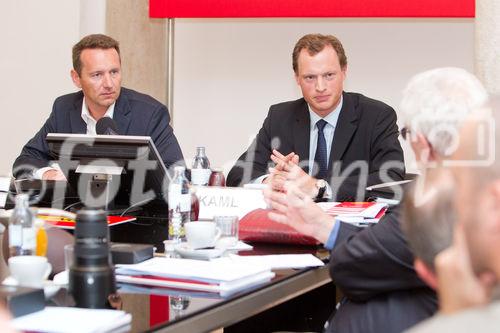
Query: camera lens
[[91, 278], [91, 238]]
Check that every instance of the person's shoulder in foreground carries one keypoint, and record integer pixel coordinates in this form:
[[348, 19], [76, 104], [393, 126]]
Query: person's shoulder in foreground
[[484, 319]]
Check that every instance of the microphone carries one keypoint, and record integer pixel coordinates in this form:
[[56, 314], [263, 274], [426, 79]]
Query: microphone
[[106, 126]]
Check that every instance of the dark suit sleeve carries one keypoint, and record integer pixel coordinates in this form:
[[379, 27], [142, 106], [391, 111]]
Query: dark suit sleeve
[[35, 153], [163, 136], [386, 161], [255, 161], [367, 262]]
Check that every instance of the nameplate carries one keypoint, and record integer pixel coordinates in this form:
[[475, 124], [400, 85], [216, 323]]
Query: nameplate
[[99, 169], [228, 201]]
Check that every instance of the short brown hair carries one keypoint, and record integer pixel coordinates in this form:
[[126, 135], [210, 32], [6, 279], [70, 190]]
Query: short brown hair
[[96, 41], [315, 43]]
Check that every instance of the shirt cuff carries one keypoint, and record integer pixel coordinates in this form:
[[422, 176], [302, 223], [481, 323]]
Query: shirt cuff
[[259, 180], [330, 243], [328, 192]]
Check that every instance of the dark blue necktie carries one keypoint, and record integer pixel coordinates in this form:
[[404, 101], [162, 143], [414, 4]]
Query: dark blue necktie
[[320, 156]]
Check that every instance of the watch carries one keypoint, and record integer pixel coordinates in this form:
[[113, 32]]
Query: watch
[[321, 186]]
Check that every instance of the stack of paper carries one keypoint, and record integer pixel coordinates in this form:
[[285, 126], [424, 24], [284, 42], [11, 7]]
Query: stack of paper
[[358, 213], [223, 277], [276, 261], [74, 320]]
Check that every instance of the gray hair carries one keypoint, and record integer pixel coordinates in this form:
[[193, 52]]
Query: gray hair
[[436, 102]]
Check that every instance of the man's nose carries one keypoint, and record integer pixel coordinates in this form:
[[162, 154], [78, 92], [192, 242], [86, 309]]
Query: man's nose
[[320, 84], [107, 81]]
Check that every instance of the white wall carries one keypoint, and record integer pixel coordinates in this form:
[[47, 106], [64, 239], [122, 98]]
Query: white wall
[[35, 61], [229, 71]]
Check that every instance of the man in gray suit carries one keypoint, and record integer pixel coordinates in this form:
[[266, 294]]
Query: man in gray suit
[[469, 270], [97, 72]]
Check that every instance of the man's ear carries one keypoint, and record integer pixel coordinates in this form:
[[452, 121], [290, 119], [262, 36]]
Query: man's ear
[[494, 191], [76, 78], [344, 71], [425, 273], [421, 147], [296, 76]]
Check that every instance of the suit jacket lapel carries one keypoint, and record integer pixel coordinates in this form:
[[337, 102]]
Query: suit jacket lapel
[[77, 124], [121, 115], [301, 133], [346, 126]]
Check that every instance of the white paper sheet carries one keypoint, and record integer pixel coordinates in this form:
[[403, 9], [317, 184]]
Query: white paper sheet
[[277, 261], [206, 271], [74, 320]]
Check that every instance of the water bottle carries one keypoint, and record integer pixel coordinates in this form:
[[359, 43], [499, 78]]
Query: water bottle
[[200, 172], [22, 235], [179, 204]]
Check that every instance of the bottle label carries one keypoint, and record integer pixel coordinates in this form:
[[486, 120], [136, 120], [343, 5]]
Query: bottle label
[[29, 239], [200, 176], [15, 235], [174, 193], [185, 202]]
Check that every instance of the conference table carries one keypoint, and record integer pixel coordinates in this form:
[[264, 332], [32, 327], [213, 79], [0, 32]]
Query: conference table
[[294, 300], [299, 299]]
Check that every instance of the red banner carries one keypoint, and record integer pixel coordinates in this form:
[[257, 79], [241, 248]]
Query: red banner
[[310, 8]]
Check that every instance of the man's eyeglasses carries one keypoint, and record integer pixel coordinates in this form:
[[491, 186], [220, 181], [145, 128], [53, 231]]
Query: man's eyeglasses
[[405, 132]]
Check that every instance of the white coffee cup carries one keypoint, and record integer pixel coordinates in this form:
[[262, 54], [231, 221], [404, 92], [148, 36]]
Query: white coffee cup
[[29, 271], [201, 234]]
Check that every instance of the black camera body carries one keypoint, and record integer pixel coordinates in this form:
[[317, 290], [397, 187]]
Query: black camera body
[[92, 277]]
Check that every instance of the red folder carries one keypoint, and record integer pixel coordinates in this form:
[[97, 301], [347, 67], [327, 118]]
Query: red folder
[[256, 226], [67, 223]]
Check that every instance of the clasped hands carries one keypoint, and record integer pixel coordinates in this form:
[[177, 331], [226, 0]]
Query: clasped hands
[[290, 195], [287, 169]]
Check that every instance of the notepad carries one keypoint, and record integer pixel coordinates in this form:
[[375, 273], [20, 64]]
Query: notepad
[[74, 320], [357, 213], [219, 277], [276, 261]]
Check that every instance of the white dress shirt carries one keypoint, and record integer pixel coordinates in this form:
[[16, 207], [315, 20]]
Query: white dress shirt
[[91, 130]]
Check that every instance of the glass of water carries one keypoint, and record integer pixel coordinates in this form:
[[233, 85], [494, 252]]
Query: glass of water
[[229, 230]]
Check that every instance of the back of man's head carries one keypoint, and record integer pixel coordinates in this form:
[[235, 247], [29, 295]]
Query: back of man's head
[[96, 41], [436, 102], [478, 187], [428, 219]]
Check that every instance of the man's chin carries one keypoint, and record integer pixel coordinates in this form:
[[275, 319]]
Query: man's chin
[[322, 109], [108, 101]]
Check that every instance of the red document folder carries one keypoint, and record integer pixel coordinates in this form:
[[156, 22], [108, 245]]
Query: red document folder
[[67, 223], [257, 227]]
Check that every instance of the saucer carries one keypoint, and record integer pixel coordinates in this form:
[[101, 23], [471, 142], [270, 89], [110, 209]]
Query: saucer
[[61, 279], [204, 254], [49, 287]]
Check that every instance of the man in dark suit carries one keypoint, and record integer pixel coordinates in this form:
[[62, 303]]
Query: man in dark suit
[[372, 266], [347, 139], [97, 72]]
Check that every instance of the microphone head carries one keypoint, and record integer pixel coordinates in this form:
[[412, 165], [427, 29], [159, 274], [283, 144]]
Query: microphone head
[[106, 126]]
